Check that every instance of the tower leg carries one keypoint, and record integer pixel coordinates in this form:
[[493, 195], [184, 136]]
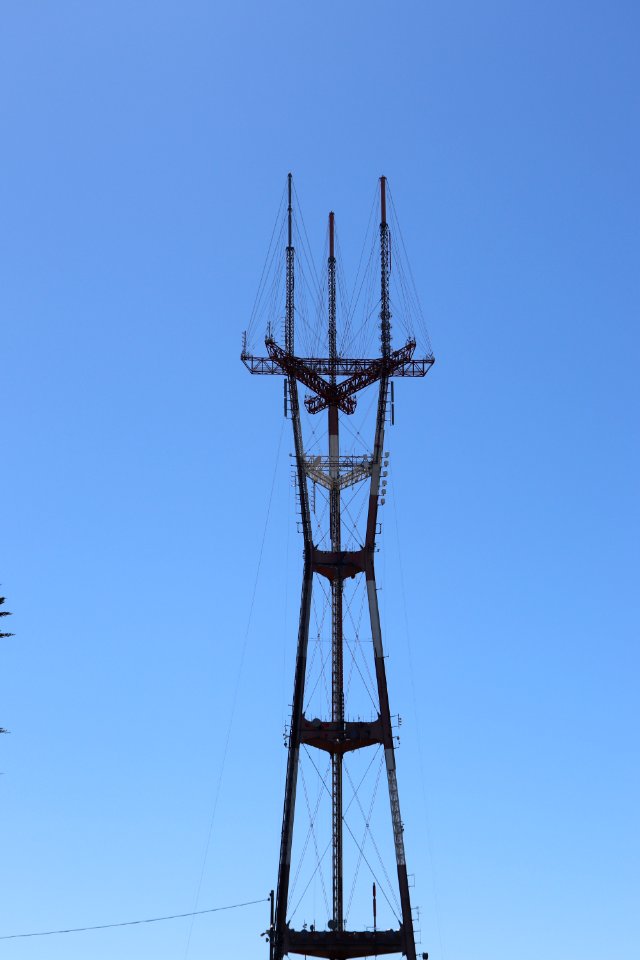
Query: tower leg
[[284, 868], [337, 653], [337, 676], [390, 762]]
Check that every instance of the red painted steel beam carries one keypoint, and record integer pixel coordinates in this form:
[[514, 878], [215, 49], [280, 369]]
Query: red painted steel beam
[[338, 565], [308, 377], [381, 367], [340, 738], [344, 944]]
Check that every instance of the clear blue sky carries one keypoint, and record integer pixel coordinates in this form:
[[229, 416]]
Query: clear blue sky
[[145, 147]]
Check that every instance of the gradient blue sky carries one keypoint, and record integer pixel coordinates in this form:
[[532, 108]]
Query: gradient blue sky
[[145, 146]]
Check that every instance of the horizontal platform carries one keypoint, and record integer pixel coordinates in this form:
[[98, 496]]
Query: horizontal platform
[[343, 944], [356, 373], [340, 738], [338, 565], [343, 366], [340, 473]]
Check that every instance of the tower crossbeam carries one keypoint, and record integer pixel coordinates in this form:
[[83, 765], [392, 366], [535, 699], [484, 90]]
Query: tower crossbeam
[[342, 472]]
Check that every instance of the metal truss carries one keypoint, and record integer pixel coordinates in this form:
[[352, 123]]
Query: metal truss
[[344, 366], [342, 473]]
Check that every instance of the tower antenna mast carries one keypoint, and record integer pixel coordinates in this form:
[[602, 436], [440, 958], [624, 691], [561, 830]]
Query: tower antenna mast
[[337, 670]]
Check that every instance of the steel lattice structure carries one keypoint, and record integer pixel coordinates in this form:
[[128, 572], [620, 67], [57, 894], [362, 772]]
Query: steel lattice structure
[[333, 383]]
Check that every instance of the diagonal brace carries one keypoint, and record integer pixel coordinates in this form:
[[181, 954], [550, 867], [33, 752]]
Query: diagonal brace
[[309, 378], [375, 370]]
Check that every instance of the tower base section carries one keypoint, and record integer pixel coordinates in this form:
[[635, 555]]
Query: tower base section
[[343, 944]]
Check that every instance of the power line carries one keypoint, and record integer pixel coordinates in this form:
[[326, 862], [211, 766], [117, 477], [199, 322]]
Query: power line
[[132, 923], [416, 715], [236, 691]]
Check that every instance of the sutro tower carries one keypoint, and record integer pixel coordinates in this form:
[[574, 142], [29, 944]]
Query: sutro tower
[[332, 382]]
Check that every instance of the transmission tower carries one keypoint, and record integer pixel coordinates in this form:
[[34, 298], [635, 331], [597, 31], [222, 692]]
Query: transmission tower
[[332, 382]]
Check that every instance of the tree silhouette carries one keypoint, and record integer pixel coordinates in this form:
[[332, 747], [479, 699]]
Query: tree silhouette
[[4, 613]]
